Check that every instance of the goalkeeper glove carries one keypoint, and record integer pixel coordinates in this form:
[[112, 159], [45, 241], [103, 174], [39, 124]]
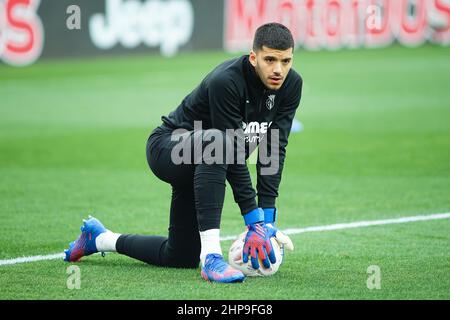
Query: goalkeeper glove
[[257, 242], [270, 215]]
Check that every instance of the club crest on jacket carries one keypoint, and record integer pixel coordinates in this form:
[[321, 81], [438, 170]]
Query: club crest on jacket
[[270, 102]]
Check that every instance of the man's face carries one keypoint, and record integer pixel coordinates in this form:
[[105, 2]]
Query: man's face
[[272, 65]]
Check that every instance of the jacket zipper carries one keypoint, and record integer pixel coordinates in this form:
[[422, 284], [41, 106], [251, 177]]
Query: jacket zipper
[[261, 100]]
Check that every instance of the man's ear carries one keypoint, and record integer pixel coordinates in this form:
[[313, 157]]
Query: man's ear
[[252, 58]]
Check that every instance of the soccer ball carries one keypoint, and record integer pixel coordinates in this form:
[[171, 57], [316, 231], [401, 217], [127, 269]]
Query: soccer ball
[[235, 258]]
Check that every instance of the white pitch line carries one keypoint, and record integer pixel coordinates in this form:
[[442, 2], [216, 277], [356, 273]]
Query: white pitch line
[[359, 224], [332, 227], [32, 259]]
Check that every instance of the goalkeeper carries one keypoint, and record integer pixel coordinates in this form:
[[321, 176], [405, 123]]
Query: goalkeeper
[[243, 102]]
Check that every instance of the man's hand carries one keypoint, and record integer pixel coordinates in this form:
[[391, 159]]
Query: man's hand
[[257, 244], [270, 215], [282, 239]]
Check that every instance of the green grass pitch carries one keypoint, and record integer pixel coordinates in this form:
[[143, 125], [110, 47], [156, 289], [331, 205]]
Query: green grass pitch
[[375, 145]]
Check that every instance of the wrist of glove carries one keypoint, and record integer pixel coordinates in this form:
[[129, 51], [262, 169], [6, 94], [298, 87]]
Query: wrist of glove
[[270, 215]]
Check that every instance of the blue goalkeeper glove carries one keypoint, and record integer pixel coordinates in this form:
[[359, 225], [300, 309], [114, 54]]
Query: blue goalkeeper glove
[[270, 215], [257, 242]]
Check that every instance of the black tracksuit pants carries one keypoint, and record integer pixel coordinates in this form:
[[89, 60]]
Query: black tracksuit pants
[[198, 192]]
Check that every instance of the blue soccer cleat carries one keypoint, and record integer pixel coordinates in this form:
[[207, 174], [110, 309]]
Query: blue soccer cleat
[[217, 270], [85, 244]]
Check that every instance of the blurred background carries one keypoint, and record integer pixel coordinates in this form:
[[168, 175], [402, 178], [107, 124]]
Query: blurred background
[[83, 83]]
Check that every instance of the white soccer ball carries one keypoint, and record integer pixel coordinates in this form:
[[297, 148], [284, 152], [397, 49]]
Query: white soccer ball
[[235, 258]]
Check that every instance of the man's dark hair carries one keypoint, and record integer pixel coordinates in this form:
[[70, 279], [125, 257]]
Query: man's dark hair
[[273, 35]]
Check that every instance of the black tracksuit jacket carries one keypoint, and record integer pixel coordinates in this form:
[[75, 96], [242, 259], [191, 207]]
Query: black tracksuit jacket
[[233, 95]]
